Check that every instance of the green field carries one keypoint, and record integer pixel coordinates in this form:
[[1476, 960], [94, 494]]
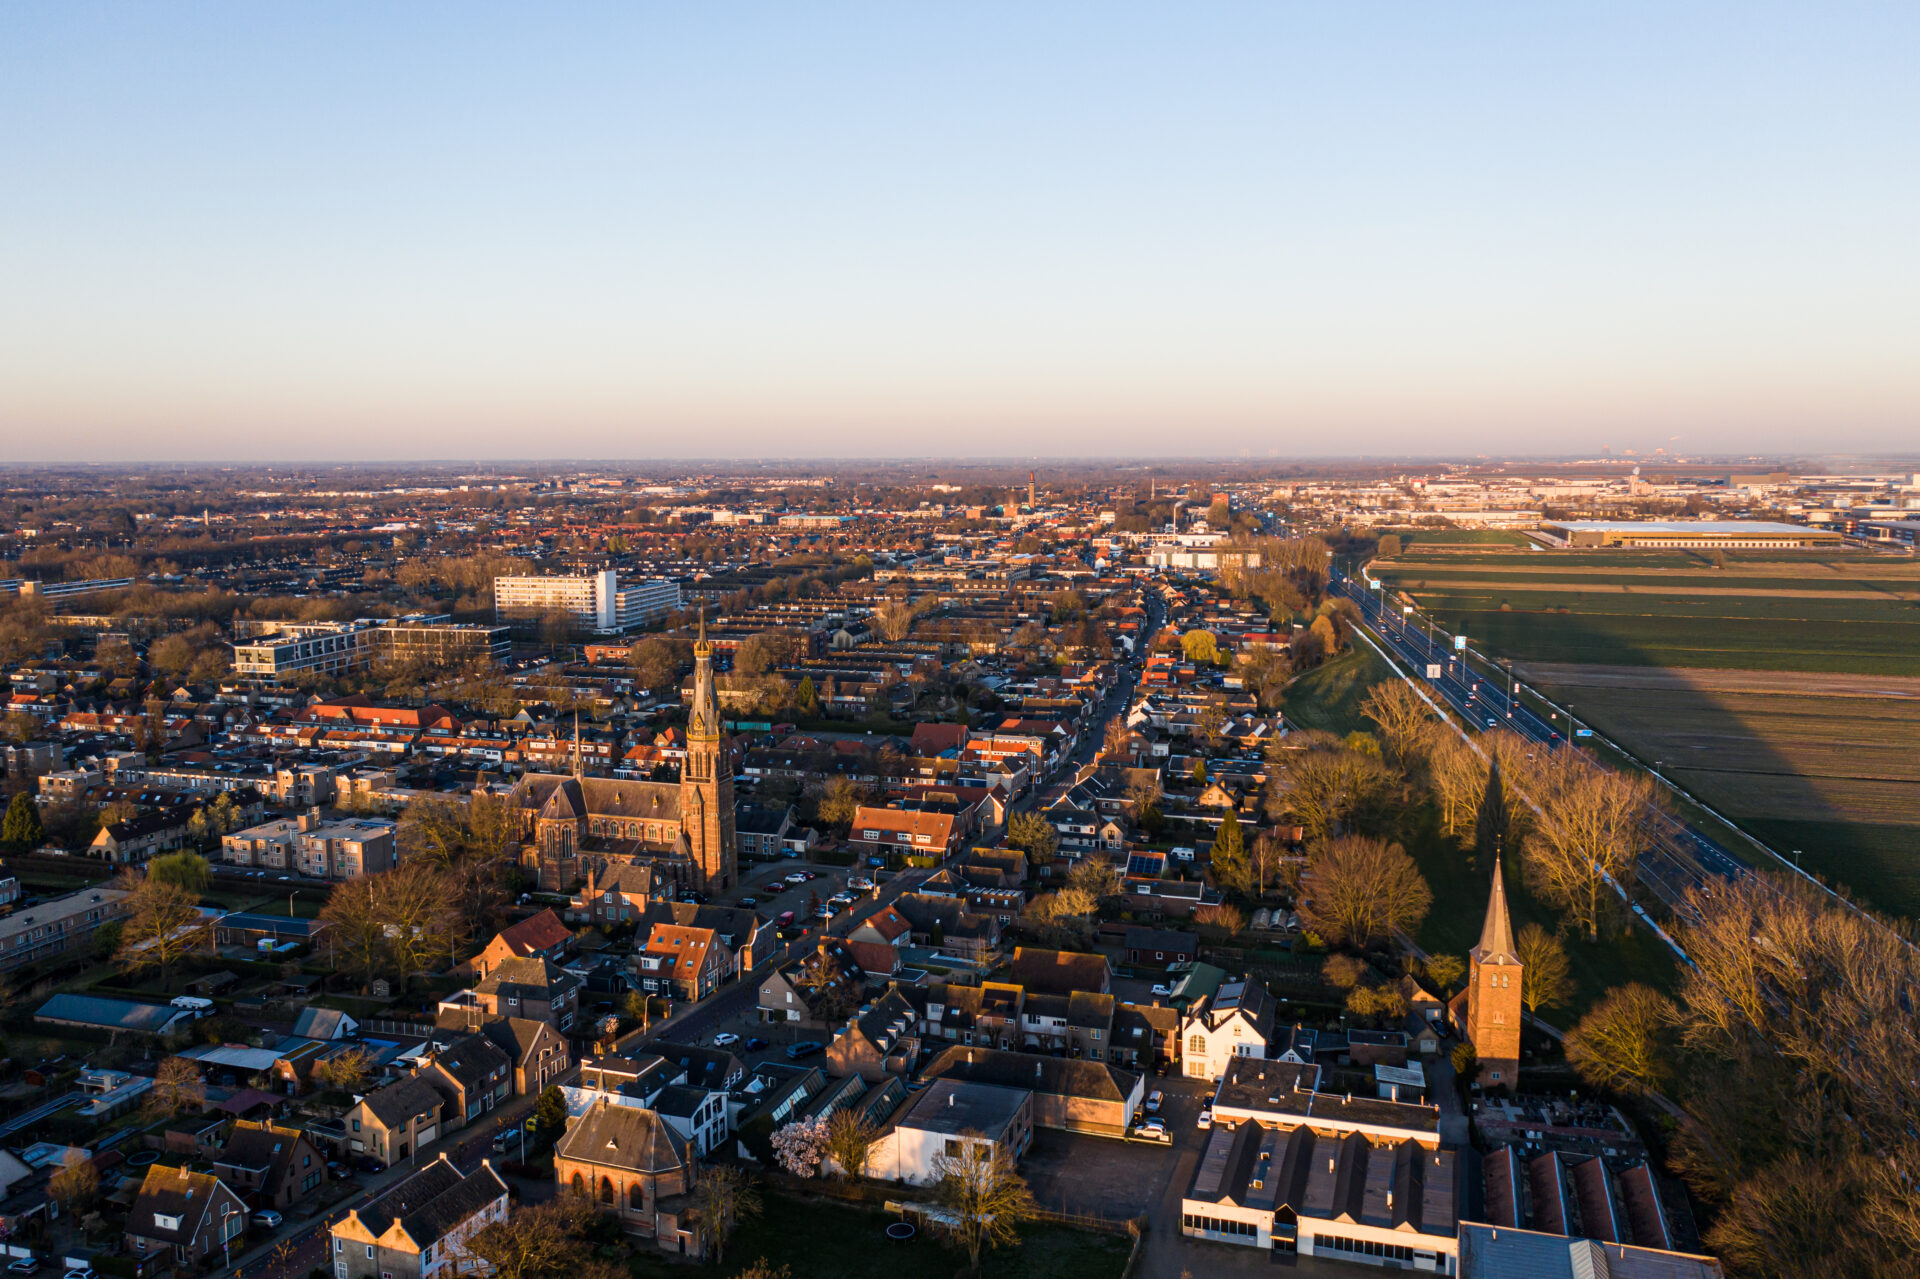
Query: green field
[[1328, 697], [840, 1241]]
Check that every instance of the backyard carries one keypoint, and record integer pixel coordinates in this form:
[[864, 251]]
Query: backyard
[[826, 1240]]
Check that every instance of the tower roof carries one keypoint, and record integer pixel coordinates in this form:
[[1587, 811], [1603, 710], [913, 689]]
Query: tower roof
[[703, 717], [1496, 935]]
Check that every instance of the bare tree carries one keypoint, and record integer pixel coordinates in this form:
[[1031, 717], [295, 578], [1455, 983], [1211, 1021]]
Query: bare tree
[[76, 1183], [1405, 722], [164, 925], [1444, 970], [354, 937], [850, 1138], [1588, 836], [1546, 979], [1328, 789], [1360, 890], [1457, 775], [536, 1241], [726, 1198], [980, 1187], [1626, 1041], [346, 1071], [177, 1087]]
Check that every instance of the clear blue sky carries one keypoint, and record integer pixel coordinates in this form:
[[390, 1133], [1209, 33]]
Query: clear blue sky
[[267, 231]]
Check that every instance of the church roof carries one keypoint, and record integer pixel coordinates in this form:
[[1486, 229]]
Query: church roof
[[1496, 935], [554, 795]]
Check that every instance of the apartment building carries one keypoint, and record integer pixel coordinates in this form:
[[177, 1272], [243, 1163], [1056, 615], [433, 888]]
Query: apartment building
[[53, 927], [276, 650], [595, 601]]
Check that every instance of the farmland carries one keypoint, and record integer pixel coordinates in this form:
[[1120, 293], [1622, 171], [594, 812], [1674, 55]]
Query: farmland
[[1782, 688], [1829, 769]]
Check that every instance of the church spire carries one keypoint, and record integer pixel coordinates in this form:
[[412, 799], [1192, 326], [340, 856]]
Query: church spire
[[703, 719], [576, 746], [1496, 935]]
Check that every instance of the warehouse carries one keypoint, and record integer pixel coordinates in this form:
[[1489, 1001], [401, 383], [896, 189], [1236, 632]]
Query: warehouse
[[1690, 535]]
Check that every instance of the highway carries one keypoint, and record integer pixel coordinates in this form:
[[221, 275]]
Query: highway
[[1678, 858]]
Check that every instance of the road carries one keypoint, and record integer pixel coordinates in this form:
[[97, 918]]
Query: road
[[1680, 858]]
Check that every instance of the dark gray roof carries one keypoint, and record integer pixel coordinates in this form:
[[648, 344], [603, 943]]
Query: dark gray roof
[[433, 1201], [1058, 1076], [179, 1194], [110, 1014], [954, 1106], [398, 1102], [625, 1137], [1501, 1252]]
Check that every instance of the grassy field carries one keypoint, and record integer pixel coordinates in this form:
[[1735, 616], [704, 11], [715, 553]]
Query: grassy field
[[1329, 696], [840, 1241]]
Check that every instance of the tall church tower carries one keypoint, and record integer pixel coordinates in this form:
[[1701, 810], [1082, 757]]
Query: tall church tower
[[1493, 993], [706, 781]]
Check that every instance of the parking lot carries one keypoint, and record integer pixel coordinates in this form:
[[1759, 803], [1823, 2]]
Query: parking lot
[[1074, 1172]]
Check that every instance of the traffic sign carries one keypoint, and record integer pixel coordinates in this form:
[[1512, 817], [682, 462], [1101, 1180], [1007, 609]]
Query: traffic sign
[[1433, 670], [1583, 732], [1460, 643]]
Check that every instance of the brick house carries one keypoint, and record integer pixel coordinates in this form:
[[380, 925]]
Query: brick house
[[271, 1165], [539, 1053], [416, 1229], [184, 1217], [541, 936], [685, 963]]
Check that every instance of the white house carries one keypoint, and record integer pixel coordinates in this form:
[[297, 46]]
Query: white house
[[1235, 1021], [947, 1115]]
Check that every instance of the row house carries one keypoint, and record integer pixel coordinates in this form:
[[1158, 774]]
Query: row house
[[912, 834], [947, 924], [472, 1076], [538, 936], [420, 1226], [275, 1167]]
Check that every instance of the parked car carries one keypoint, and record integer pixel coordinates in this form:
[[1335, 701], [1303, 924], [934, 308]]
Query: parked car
[[798, 877], [268, 1219], [24, 1266], [367, 1163], [755, 1044], [338, 1170], [1161, 989], [82, 1272], [1154, 1099], [749, 902], [1155, 1129], [725, 1039], [1206, 1117], [861, 882], [805, 1048]]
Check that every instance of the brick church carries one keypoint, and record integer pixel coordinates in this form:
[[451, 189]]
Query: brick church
[[681, 834], [1487, 1012]]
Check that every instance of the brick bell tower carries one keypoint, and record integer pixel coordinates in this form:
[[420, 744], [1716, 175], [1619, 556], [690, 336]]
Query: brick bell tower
[[706, 781], [1492, 1023]]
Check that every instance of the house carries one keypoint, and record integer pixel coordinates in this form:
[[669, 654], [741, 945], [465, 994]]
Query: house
[[534, 987], [614, 894], [419, 1226], [539, 1053], [390, 1123], [1145, 1036], [906, 832], [1159, 947], [876, 941], [685, 963], [697, 1115], [540, 936], [816, 990], [1059, 972], [1235, 1021], [743, 938], [1078, 1096], [271, 1165], [762, 832], [635, 1169], [947, 1115], [471, 1075], [945, 923], [143, 836], [184, 1217], [879, 1042]]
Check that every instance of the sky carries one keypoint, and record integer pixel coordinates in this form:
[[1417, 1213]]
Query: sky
[[247, 232]]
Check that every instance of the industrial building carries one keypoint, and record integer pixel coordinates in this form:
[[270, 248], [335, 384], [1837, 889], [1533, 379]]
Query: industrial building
[[1691, 535]]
